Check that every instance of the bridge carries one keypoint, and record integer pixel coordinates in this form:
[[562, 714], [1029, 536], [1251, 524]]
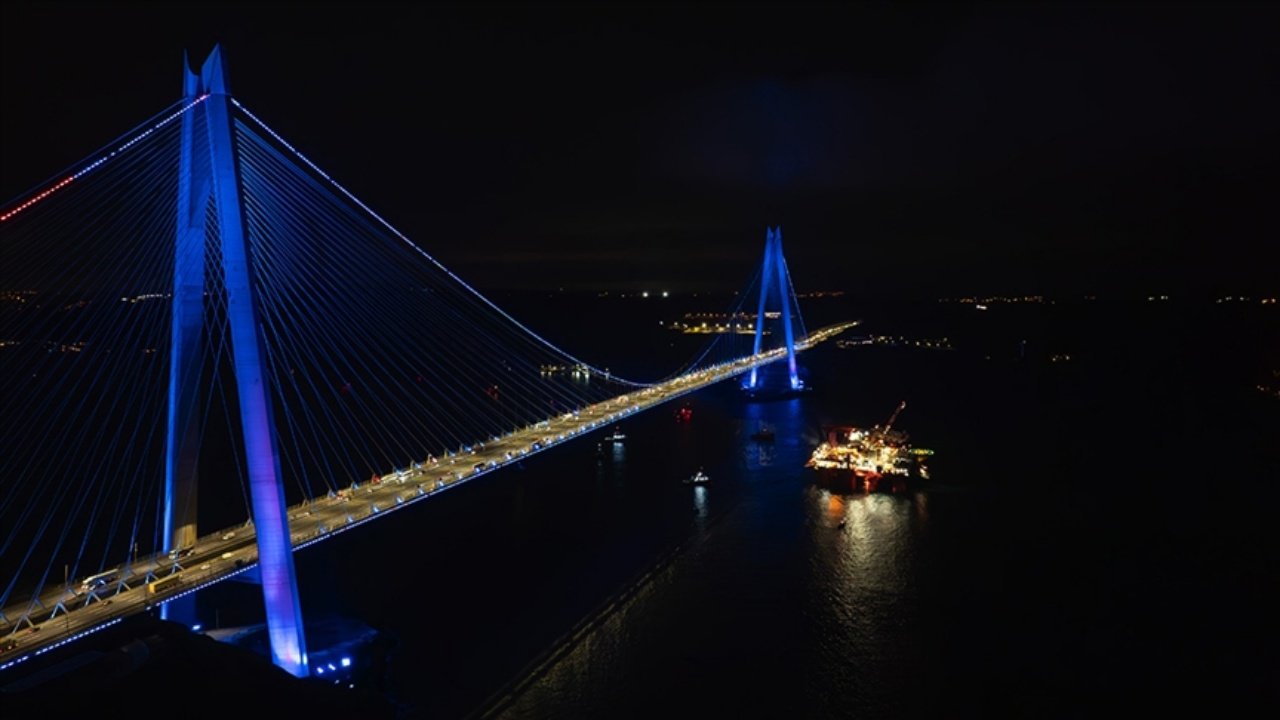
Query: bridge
[[202, 251]]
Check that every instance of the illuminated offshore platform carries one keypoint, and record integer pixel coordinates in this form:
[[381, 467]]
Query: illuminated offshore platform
[[872, 456]]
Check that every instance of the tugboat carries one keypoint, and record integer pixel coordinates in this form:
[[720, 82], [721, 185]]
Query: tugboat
[[764, 434], [698, 478], [617, 436]]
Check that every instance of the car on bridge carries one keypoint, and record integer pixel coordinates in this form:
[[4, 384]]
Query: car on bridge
[[101, 581], [179, 553]]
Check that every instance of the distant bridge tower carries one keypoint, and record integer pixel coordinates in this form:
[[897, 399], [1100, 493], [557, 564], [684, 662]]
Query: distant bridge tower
[[775, 277], [209, 183]]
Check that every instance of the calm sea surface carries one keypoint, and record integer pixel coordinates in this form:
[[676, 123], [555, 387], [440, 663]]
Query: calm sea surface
[[1096, 532]]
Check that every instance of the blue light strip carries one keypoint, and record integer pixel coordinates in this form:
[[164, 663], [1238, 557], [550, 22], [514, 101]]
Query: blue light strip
[[60, 643]]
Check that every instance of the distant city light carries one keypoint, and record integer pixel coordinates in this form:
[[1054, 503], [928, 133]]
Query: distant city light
[[666, 294], [644, 294]]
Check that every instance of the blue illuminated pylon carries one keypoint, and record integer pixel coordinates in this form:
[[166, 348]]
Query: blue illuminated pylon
[[208, 173], [183, 441], [774, 276]]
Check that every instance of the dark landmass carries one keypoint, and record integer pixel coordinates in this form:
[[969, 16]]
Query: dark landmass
[[160, 669]]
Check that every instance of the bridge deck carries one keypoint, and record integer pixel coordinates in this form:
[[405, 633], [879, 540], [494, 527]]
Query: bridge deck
[[231, 551]]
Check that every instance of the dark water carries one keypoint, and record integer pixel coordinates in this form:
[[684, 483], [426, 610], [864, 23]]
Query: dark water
[[1097, 532]]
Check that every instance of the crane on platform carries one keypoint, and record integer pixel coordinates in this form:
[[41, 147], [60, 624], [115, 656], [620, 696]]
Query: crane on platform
[[892, 418], [881, 434]]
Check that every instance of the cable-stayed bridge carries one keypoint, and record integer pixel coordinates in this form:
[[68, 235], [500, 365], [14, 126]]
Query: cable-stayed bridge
[[200, 300]]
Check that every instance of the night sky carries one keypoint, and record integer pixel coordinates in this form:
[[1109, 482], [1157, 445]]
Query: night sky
[[924, 150]]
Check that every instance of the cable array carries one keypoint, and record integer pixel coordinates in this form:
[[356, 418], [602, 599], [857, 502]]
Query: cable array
[[84, 332], [380, 358], [377, 355]]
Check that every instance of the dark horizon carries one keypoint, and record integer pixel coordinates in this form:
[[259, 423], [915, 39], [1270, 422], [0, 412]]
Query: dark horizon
[[923, 151]]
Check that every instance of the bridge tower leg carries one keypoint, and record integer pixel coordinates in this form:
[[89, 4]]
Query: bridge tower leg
[[210, 175], [183, 439], [774, 276], [766, 277], [784, 298]]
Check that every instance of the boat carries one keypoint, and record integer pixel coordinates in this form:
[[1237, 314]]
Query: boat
[[764, 434], [698, 478], [616, 437], [879, 459]]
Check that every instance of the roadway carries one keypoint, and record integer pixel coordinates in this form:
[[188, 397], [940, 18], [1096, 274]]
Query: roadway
[[231, 551]]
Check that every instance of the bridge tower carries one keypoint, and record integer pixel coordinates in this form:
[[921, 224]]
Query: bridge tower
[[775, 277], [209, 186]]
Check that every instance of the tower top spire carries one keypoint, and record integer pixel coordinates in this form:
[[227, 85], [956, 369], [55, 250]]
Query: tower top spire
[[212, 78]]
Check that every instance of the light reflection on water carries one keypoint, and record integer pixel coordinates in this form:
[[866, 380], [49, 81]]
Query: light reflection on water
[[789, 596], [860, 596], [700, 504]]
